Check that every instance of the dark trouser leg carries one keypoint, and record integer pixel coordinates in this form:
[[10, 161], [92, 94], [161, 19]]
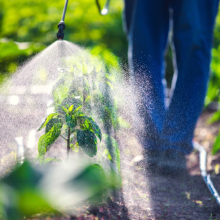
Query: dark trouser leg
[[193, 27], [148, 32]]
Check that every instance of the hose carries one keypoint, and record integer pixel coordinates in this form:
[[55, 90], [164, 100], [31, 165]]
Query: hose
[[206, 177]]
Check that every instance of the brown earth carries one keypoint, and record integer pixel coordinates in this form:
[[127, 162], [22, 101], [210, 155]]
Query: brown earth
[[152, 196]]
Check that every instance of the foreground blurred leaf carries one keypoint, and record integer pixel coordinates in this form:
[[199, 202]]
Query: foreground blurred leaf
[[25, 191], [20, 195], [22, 177], [93, 179], [32, 202]]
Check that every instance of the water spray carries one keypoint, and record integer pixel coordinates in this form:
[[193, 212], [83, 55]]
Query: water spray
[[20, 150], [206, 177], [61, 25]]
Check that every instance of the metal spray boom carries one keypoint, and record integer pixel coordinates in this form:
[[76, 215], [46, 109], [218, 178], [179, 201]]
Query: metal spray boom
[[61, 25]]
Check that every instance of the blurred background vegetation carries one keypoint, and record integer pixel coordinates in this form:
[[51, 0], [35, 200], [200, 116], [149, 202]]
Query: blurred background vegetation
[[28, 26]]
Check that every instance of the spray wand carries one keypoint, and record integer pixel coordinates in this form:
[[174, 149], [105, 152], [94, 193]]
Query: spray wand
[[61, 25]]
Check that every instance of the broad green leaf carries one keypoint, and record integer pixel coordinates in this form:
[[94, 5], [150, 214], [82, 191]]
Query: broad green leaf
[[84, 123], [88, 142], [79, 114], [95, 128], [216, 146], [49, 117], [90, 124], [113, 150], [64, 109], [47, 139], [51, 123], [71, 121], [77, 109], [71, 108], [214, 118]]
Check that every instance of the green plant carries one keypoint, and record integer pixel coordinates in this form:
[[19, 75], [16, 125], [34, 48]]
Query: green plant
[[213, 93], [77, 129], [213, 119], [216, 146], [86, 79]]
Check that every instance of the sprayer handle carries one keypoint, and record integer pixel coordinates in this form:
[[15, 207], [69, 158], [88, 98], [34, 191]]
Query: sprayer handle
[[61, 27]]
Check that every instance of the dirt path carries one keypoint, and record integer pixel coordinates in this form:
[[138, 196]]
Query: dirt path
[[151, 196], [154, 197]]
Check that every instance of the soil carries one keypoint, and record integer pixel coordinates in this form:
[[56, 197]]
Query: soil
[[152, 196]]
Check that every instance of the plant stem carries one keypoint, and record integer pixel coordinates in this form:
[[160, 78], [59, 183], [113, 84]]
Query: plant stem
[[63, 137], [68, 142]]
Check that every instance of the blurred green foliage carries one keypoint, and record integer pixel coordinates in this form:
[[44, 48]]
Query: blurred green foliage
[[26, 191], [36, 22]]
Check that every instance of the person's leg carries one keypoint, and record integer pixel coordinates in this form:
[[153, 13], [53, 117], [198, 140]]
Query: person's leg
[[193, 22], [148, 32]]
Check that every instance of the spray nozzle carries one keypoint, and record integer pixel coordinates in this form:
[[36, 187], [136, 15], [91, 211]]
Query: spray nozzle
[[61, 27]]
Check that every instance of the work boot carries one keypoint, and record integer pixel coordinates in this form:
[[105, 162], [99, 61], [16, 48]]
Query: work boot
[[172, 163]]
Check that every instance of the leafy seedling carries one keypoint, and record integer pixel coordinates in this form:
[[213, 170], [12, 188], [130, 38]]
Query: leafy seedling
[[77, 129]]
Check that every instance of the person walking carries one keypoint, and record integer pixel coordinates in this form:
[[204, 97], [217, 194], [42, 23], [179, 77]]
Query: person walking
[[168, 132]]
